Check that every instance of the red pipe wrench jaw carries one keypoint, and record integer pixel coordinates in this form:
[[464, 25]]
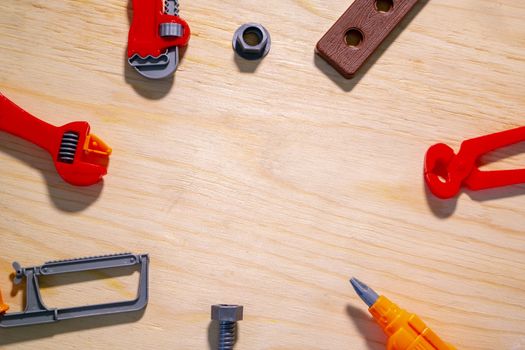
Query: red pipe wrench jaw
[[441, 181], [155, 36], [81, 158]]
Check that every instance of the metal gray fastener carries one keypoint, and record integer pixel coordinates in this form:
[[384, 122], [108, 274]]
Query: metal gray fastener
[[227, 316], [251, 41], [36, 312]]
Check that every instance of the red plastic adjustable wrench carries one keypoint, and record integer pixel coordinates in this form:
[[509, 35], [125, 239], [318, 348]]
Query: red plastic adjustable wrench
[[80, 158], [446, 172], [155, 35]]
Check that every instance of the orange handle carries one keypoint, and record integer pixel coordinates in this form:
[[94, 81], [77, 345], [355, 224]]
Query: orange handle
[[405, 331], [3, 307]]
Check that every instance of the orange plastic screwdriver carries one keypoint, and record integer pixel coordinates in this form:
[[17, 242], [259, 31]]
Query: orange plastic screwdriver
[[405, 331]]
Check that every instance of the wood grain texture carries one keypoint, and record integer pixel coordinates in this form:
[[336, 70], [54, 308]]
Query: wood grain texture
[[269, 189], [372, 26]]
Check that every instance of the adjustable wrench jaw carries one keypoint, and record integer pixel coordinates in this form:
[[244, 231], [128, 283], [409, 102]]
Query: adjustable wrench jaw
[[80, 158], [90, 158]]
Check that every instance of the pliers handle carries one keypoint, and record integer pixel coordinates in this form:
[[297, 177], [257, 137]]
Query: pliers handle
[[445, 172]]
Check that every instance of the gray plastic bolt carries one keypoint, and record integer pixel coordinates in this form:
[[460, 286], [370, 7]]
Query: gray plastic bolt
[[227, 316]]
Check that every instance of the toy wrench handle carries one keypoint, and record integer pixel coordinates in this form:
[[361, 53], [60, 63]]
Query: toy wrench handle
[[18, 122], [484, 144]]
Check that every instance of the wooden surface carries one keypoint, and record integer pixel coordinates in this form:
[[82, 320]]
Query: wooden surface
[[268, 185]]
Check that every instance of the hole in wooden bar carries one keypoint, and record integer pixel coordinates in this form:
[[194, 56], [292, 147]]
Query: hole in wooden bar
[[353, 37], [384, 5]]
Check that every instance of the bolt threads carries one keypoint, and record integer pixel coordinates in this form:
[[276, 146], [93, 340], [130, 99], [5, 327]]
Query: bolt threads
[[227, 335]]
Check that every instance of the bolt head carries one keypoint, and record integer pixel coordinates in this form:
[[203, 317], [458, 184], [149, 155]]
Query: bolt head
[[248, 50], [226, 313]]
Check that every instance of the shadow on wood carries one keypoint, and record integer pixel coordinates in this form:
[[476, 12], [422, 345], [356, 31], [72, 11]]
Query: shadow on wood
[[30, 333], [64, 196], [213, 335], [246, 66], [441, 208], [375, 338]]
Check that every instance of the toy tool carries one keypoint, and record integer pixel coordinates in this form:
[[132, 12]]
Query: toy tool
[[80, 158], [37, 313], [445, 172], [251, 41], [405, 331], [3, 306], [155, 36], [359, 31], [227, 316]]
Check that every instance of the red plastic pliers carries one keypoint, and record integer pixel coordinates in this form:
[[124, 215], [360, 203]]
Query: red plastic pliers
[[445, 172], [80, 158]]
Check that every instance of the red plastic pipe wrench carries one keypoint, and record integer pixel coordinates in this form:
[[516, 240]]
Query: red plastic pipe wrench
[[155, 35], [445, 172], [80, 158]]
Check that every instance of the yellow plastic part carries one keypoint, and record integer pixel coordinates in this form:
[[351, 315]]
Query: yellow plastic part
[[95, 145], [3, 307], [405, 331]]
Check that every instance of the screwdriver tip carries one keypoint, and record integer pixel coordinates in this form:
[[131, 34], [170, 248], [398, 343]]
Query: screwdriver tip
[[367, 294]]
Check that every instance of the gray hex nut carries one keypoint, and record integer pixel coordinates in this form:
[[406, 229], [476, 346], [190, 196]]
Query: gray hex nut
[[251, 51], [226, 313]]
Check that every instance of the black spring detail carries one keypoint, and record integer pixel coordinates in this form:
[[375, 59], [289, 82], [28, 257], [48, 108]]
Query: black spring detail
[[68, 147], [227, 335]]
